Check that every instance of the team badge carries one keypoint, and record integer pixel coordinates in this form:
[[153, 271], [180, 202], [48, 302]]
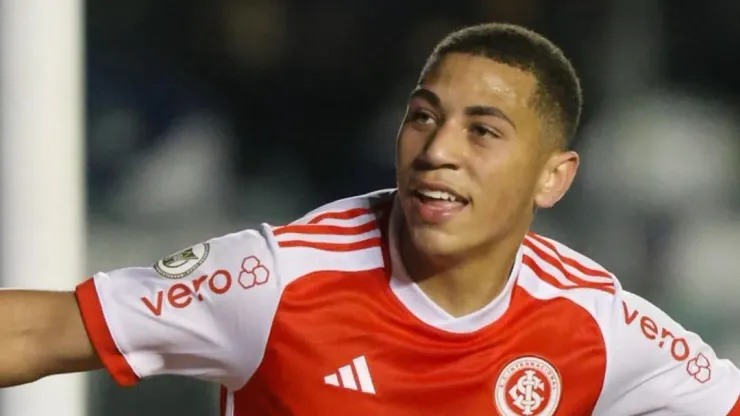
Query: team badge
[[183, 263], [528, 386]]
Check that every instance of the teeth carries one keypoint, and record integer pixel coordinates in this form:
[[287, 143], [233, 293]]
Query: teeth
[[440, 195]]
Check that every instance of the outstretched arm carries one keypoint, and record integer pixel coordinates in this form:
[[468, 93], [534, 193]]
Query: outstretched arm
[[186, 316], [41, 333]]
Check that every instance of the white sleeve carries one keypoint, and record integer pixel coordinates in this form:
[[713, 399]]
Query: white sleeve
[[204, 312], [656, 367]]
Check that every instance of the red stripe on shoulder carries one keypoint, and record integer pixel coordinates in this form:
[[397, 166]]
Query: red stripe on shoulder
[[552, 281], [546, 257], [325, 229], [353, 246], [354, 229], [339, 215], [547, 277], [568, 260]]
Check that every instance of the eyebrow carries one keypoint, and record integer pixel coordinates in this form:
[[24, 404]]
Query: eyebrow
[[428, 95], [480, 110], [475, 110]]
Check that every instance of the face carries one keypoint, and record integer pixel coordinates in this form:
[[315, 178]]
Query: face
[[472, 164]]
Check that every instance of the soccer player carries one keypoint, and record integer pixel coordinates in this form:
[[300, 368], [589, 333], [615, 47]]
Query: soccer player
[[430, 299]]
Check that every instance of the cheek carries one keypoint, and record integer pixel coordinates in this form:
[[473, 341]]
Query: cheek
[[505, 208], [506, 186], [409, 145]]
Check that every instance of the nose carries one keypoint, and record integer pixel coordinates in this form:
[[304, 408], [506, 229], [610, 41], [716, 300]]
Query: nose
[[443, 148]]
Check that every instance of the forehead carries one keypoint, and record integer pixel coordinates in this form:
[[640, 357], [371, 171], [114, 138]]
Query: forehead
[[474, 80]]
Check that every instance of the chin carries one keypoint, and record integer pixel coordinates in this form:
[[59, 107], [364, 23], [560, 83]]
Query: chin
[[433, 242]]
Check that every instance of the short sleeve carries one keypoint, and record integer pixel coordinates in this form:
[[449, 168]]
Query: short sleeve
[[656, 367], [204, 312]]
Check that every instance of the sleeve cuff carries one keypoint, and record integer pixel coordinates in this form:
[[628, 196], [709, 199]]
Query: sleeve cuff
[[100, 335]]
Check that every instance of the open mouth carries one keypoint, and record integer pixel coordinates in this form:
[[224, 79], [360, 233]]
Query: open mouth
[[433, 195], [437, 204]]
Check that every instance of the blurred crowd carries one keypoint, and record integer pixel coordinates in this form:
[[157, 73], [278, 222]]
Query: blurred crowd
[[205, 117]]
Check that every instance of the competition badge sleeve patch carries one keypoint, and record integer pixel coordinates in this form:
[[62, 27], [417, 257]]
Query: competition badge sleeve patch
[[183, 263]]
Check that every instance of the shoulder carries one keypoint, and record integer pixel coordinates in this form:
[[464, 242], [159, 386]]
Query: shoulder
[[553, 270], [356, 208], [643, 346], [344, 235], [579, 294]]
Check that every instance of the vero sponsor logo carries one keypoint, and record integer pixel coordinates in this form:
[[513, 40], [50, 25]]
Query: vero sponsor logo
[[678, 347], [181, 295], [699, 367]]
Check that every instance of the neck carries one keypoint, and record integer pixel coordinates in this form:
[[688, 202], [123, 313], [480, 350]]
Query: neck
[[463, 284]]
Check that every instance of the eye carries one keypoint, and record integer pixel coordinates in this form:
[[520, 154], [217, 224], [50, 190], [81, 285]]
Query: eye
[[420, 117], [484, 132]]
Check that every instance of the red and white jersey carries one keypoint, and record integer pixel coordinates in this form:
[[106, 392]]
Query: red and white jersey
[[319, 317]]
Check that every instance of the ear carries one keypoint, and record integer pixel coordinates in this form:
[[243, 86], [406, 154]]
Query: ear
[[556, 178]]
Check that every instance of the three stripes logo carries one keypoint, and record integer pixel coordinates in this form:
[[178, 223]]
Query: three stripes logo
[[354, 376]]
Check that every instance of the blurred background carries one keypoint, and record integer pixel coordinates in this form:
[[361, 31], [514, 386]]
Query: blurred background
[[205, 117]]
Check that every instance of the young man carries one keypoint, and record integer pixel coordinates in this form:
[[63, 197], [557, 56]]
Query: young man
[[430, 299]]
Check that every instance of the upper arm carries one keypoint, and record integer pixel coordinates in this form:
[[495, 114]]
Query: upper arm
[[204, 312], [656, 367]]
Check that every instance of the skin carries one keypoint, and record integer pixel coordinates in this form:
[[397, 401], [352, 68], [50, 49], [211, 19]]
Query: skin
[[471, 126]]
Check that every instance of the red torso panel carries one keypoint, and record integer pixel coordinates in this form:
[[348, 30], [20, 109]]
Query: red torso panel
[[327, 320]]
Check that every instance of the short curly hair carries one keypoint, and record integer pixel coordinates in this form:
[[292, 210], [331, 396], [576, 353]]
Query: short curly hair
[[558, 98]]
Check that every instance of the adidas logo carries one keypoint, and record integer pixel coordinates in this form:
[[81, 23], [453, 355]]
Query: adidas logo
[[354, 376]]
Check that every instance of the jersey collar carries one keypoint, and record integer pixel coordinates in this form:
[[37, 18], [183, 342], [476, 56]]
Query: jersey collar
[[424, 308]]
